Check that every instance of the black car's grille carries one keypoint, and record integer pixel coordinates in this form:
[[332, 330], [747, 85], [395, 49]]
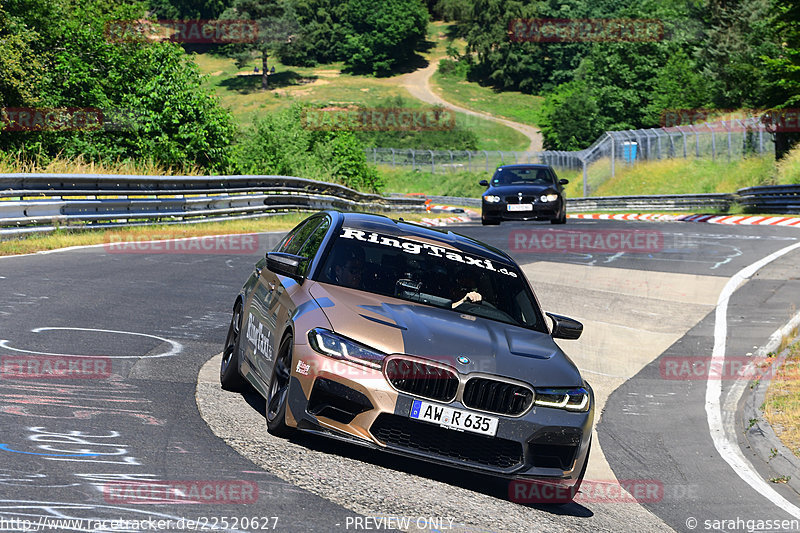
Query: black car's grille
[[524, 200], [421, 379], [426, 438], [497, 396]]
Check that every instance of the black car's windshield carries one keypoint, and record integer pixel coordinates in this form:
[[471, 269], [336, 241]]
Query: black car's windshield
[[515, 176], [431, 274]]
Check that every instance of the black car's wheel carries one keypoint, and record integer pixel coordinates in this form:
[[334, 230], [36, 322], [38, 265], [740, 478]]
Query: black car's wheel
[[229, 376], [279, 390], [561, 218], [490, 221]]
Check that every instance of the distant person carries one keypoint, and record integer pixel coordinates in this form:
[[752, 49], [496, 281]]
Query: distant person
[[255, 69], [272, 70]]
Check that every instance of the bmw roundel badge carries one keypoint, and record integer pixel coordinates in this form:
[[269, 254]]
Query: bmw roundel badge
[[464, 360]]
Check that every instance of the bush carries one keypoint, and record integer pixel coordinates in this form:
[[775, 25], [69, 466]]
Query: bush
[[279, 144]]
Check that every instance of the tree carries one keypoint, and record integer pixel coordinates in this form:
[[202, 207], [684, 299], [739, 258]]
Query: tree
[[382, 35], [277, 24], [189, 9], [785, 68], [570, 118], [167, 116]]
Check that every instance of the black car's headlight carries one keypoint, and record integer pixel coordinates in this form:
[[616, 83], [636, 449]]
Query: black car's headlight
[[491, 199], [548, 197], [333, 345], [569, 399]]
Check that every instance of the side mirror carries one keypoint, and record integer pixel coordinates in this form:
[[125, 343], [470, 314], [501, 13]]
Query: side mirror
[[484, 183], [565, 327], [562, 181], [285, 264]]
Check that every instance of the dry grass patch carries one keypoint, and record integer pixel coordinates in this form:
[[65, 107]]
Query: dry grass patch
[[782, 403], [82, 237]]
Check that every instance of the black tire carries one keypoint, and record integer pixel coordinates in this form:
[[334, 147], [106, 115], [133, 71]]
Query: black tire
[[229, 376], [279, 390], [561, 219], [490, 221]]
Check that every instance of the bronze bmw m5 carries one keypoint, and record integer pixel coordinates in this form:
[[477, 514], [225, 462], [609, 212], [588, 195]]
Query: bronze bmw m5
[[411, 340]]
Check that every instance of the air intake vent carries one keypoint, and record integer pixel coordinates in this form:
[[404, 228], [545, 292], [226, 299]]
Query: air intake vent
[[421, 379], [497, 396]]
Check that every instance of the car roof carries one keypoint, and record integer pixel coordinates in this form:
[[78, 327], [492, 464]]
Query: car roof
[[524, 165], [384, 224]]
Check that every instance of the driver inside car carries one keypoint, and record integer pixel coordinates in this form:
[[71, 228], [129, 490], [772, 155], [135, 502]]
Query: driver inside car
[[466, 285]]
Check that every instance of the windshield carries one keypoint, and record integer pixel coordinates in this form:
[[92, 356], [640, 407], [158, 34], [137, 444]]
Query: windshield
[[532, 176], [428, 273]]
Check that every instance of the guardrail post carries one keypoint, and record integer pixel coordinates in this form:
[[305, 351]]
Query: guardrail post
[[585, 179], [684, 143], [392, 157], [374, 156], [487, 160], [433, 163], [413, 159], [612, 155], [501, 157], [469, 160]]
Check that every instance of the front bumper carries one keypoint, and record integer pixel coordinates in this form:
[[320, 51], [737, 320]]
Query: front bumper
[[541, 211], [357, 404]]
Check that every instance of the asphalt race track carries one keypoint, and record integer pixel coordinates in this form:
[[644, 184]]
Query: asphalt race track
[[145, 320]]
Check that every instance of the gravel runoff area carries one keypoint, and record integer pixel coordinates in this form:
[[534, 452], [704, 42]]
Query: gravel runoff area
[[376, 484]]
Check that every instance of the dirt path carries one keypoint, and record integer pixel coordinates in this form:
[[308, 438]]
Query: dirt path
[[418, 84]]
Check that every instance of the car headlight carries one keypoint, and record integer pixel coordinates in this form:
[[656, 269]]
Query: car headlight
[[492, 199], [333, 345], [569, 399], [549, 197]]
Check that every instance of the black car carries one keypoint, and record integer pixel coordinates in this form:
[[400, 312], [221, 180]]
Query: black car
[[416, 341], [524, 192]]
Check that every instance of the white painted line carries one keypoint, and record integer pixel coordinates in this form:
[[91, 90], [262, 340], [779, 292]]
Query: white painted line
[[175, 349], [723, 442]]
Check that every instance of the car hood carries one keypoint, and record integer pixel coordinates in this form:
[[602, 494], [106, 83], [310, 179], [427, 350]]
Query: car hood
[[524, 189], [396, 326]]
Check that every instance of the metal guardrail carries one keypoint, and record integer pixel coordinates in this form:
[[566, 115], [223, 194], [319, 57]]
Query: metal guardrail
[[771, 199], [719, 139], [675, 202], [783, 199], [42, 202]]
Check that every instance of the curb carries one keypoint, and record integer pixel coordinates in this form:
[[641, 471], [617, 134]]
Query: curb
[[747, 220], [761, 438]]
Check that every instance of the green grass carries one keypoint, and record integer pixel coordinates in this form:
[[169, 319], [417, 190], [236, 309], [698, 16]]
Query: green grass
[[675, 176], [239, 91], [463, 184], [512, 105]]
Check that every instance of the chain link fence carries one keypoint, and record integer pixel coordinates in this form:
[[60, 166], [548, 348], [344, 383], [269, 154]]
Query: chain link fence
[[715, 140]]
